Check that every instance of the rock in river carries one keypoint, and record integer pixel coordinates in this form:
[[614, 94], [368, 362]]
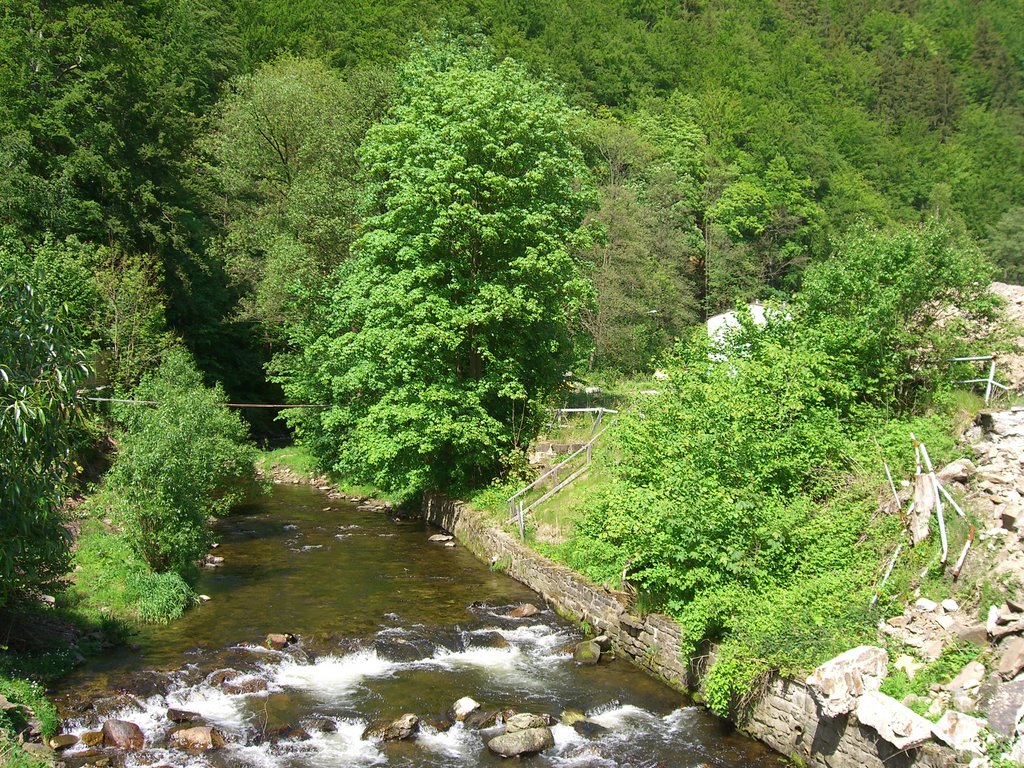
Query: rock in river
[[523, 611], [587, 652], [522, 742], [123, 735], [198, 739], [524, 721], [402, 728], [182, 715], [463, 707]]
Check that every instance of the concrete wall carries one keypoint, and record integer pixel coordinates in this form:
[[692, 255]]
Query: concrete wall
[[785, 717]]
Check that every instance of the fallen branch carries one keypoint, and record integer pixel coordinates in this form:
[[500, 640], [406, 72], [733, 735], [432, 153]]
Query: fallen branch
[[963, 555]]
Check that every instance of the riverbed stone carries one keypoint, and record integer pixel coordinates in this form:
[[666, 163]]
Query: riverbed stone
[[63, 741], [570, 716], [589, 728], [440, 537], [526, 742], [587, 652], [895, 723], [200, 738], [92, 738], [524, 721], [968, 678], [399, 729], [123, 735], [279, 640], [838, 684], [480, 719], [182, 715], [463, 707], [245, 685], [523, 611]]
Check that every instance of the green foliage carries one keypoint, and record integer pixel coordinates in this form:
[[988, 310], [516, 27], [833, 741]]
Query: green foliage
[[442, 337], [179, 462], [953, 659], [112, 580], [745, 502], [284, 149], [875, 308], [40, 372], [29, 694]]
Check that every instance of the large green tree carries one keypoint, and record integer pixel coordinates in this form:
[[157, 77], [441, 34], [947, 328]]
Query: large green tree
[[455, 319], [40, 371]]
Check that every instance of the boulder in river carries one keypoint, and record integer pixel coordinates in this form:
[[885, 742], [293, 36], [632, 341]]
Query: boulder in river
[[440, 537], [523, 611], [92, 738], [481, 718], [63, 741], [182, 715], [522, 742], [323, 725], [463, 707], [402, 728], [123, 735], [279, 640], [588, 728], [587, 652], [242, 685], [200, 738], [523, 722]]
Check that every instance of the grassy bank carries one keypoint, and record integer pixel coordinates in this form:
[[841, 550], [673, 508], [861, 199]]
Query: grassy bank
[[298, 461]]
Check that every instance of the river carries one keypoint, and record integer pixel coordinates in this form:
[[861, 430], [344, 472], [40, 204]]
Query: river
[[387, 623]]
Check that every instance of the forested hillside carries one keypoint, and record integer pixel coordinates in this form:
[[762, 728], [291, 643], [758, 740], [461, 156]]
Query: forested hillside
[[730, 142], [413, 219]]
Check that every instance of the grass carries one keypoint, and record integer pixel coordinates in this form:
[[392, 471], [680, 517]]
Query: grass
[[953, 659], [111, 581], [299, 460]]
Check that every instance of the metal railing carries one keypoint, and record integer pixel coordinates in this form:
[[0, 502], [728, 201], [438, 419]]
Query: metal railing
[[989, 381], [516, 509]]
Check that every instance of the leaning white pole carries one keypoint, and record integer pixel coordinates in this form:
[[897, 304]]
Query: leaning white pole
[[938, 503], [888, 571]]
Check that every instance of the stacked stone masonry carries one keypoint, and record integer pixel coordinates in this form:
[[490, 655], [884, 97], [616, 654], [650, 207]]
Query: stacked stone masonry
[[785, 717]]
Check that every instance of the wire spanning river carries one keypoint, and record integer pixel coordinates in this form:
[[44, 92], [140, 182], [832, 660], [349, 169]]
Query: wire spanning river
[[388, 623]]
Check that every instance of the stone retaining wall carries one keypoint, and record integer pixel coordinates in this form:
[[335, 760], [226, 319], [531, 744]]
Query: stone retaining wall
[[785, 717]]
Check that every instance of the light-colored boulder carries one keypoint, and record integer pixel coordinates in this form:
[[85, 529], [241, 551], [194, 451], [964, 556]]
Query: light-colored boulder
[[949, 605], [968, 678], [837, 684], [463, 707], [960, 471], [909, 665], [962, 732], [1011, 659], [895, 723], [399, 729], [440, 537], [200, 738], [522, 742], [925, 605], [524, 721], [523, 611]]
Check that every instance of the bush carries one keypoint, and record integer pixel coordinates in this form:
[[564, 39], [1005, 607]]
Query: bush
[[180, 461], [746, 501]]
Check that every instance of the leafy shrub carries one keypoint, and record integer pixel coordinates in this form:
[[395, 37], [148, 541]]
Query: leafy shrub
[[181, 461], [746, 500]]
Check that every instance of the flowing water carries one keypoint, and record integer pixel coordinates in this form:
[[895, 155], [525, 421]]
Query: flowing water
[[388, 623]]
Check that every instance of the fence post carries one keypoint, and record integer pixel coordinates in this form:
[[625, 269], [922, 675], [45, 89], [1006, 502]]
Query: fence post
[[522, 523], [991, 378]]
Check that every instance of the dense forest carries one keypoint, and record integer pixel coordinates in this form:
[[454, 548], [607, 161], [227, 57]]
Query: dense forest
[[422, 215]]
